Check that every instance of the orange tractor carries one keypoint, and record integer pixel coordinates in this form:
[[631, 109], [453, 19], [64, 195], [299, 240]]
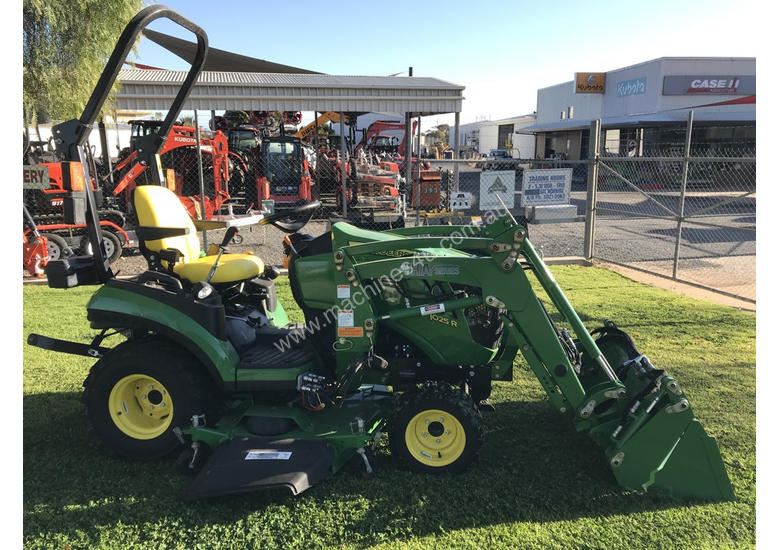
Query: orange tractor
[[180, 161], [47, 183], [379, 148]]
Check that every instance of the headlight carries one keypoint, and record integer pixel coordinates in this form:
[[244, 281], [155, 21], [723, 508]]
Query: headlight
[[205, 291]]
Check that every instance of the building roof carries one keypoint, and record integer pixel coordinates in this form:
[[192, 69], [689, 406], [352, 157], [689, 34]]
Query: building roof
[[676, 116], [154, 90]]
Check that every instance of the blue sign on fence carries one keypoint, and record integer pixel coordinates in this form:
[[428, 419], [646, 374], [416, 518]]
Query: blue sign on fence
[[635, 86]]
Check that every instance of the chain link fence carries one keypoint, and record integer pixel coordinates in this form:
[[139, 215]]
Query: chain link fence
[[682, 209], [679, 202]]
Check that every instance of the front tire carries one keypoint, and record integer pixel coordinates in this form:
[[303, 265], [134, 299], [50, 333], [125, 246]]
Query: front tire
[[140, 391], [436, 429]]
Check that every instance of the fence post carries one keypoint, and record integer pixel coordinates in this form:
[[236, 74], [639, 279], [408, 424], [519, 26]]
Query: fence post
[[593, 178], [684, 184], [456, 155], [343, 168], [200, 180]]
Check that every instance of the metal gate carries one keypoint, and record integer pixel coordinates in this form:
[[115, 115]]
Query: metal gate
[[689, 215]]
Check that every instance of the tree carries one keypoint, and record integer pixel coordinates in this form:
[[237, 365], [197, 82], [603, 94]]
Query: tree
[[236, 118], [445, 132], [65, 45]]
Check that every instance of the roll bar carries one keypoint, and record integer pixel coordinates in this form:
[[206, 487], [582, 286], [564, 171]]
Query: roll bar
[[70, 136]]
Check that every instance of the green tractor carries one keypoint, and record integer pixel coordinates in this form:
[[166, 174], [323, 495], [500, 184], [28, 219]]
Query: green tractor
[[405, 332]]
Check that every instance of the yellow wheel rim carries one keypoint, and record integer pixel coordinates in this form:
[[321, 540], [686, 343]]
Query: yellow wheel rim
[[435, 437], [140, 406]]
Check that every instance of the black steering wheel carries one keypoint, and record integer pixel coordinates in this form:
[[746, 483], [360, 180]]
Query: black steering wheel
[[290, 221]]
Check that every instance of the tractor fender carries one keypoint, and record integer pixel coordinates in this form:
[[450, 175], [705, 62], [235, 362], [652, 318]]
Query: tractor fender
[[119, 308]]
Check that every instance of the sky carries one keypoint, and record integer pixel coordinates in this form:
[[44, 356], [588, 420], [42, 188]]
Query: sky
[[501, 51]]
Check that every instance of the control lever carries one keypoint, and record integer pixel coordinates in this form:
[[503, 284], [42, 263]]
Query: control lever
[[229, 234]]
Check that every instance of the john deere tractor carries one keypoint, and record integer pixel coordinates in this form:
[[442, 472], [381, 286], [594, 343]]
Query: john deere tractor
[[405, 332]]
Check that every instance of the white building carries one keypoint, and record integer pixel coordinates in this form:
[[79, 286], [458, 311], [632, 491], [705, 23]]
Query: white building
[[480, 138], [645, 107]]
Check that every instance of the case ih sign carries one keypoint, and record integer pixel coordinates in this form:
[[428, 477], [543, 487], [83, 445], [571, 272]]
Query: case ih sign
[[707, 84]]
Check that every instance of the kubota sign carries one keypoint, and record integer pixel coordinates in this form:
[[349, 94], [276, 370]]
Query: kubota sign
[[709, 84], [589, 83]]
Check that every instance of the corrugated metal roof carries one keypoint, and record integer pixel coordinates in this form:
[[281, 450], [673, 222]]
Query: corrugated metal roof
[[281, 79], [154, 90]]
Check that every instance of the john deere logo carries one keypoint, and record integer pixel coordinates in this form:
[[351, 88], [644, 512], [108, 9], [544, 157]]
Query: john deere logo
[[497, 187]]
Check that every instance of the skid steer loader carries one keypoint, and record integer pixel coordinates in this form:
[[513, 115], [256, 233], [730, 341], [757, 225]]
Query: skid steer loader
[[406, 330]]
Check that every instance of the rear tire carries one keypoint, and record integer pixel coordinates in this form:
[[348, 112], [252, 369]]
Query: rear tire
[[111, 242], [436, 429], [56, 247], [140, 391]]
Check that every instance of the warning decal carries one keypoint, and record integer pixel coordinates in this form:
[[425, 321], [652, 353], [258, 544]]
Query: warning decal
[[268, 455], [431, 309], [350, 332], [346, 318]]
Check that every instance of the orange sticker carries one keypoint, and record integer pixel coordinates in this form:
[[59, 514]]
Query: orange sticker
[[351, 332]]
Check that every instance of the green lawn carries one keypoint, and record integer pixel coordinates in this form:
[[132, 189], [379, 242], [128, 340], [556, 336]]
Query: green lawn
[[537, 483]]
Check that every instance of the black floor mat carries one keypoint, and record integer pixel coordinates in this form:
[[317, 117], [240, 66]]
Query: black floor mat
[[276, 349], [246, 464]]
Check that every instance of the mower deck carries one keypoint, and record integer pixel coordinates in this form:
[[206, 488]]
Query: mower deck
[[245, 464]]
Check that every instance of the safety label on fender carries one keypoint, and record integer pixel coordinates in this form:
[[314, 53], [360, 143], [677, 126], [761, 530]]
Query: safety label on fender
[[268, 455], [350, 332], [346, 318], [342, 291], [431, 309]]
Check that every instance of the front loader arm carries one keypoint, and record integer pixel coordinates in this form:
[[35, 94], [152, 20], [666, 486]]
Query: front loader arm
[[636, 413]]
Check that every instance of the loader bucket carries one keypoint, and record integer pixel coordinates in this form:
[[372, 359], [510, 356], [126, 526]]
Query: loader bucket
[[652, 438], [637, 413], [683, 463]]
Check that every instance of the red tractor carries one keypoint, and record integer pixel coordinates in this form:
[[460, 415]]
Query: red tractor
[[383, 146], [179, 156]]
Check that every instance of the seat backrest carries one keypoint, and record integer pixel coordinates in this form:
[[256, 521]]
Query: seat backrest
[[158, 206]]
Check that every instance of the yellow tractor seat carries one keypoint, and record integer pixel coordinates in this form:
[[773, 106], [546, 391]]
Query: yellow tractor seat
[[159, 208], [231, 268]]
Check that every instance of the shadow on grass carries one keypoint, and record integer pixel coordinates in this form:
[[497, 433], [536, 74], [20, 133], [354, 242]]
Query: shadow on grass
[[532, 467]]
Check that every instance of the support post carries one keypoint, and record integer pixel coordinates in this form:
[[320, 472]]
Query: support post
[[408, 153], [683, 185], [116, 127], [593, 178], [456, 155], [343, 170], [104, 151], [316, 136], [200, 180], [419, 163]]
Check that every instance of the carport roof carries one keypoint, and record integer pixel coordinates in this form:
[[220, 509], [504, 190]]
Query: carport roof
[[154, 90]]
